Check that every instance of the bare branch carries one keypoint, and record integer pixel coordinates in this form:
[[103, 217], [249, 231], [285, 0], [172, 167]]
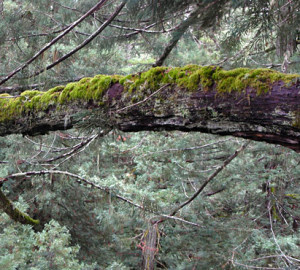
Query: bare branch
[[83, 44], [74, 149], [48, 45]]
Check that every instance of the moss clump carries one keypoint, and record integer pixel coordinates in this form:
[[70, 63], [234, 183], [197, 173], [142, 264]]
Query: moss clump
[[29, 94], [126, 81], [201, 77], [33, 100], [151, 79], [191, 77], [239, 79], [87, 88], [293, 196], [48, 98], [99, 84], [10, 106]]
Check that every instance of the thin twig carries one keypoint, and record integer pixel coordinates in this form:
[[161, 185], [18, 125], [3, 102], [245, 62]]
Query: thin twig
[[273, 234], [84, 43], [210, 178], [140, 102]]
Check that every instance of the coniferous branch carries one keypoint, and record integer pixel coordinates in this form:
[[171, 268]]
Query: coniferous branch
[[39, 34], [187, 148], [52, 42], [79, 179], [138, 30], [75, 150], [82, 180], [55, 149], [210, 178], [83, 44]]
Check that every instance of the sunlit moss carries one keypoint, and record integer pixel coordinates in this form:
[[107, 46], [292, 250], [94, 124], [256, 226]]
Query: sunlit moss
[[239, 79], [190, 78]]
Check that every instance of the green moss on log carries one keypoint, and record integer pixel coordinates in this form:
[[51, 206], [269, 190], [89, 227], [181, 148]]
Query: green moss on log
[[259, 79], [15, 214], [190, 78]]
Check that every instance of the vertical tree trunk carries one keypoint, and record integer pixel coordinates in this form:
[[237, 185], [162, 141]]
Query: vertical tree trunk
[[150, 247]]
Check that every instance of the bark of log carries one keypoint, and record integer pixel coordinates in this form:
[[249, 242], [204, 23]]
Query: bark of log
[[131, 105]]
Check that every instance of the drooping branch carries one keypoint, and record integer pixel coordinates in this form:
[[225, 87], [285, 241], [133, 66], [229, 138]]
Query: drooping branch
[[79, 179], [259, 104]]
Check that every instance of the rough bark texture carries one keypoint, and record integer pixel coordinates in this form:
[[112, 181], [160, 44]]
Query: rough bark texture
[[150, 247], [260, 105]]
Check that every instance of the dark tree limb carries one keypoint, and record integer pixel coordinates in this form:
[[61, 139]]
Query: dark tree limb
[[207, 13], [52, 42], [176, 36]]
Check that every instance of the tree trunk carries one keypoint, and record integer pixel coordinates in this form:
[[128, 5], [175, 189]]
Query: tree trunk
[[259, 104], [150, 247]]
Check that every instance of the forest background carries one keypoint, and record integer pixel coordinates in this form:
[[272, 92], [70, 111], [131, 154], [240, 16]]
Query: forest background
[[99, 198]]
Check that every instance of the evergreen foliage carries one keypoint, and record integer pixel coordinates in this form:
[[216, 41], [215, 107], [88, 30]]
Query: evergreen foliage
[[158, 171]]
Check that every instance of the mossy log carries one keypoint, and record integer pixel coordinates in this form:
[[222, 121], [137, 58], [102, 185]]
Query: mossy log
[[258, 104], [7, 206]]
